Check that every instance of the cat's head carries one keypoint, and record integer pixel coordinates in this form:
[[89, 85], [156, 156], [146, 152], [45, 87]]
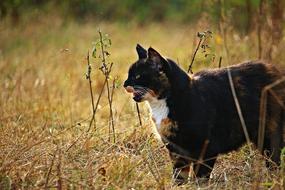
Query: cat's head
[[148, 76]]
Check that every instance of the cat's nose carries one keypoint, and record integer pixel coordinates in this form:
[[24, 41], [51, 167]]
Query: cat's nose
[[130, 89]]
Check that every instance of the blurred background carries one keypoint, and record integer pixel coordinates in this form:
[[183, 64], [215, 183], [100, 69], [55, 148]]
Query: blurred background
[[241, 14], [45, 105], [260, 22]]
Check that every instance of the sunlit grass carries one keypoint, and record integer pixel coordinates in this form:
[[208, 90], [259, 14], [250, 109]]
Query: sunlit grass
[[45, 108]]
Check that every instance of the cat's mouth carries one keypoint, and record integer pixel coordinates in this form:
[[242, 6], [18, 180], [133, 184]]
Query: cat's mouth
[[138, 96], [140, 93]]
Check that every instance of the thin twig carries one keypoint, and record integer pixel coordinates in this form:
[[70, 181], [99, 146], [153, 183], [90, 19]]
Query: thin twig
[[106, 71], [49, 171], [74, 142], [182, 153], [113, 89], [103, 53], [223, 28], [85, 132], [194, 55], [239, 109], [151, 170], [88, 77], [110, 100], [100, 95], [152, 159], [220, 61], [263, 109], [139, 115], [275, 96], [202, 155], [111, 112], [259, 29], [262, 119], [58, 167]]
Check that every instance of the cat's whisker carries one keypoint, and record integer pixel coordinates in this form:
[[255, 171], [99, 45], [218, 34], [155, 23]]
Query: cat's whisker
[[141, 90], [140, 93], [145, 89]]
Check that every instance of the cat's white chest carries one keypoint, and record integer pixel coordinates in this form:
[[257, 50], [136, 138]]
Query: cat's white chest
[[159, 111]]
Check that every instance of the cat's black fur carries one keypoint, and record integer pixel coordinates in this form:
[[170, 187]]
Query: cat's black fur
[[202, 108]]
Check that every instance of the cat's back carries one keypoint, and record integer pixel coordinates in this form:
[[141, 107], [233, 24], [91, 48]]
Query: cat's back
[[248, 79], [255, 74]]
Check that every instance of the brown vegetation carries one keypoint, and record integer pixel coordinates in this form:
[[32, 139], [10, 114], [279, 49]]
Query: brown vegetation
[[45, 109]]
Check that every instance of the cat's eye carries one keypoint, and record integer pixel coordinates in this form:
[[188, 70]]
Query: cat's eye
[[138, 76]]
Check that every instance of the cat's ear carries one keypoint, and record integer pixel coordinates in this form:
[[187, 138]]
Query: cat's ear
[[154, 55], [142, 53], [157, 60]]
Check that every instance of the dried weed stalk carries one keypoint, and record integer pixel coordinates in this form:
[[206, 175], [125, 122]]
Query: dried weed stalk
[[239, 110], [88, 77], [220, 61], [106, 70], [263, 108], [139, 114], [202, 37]]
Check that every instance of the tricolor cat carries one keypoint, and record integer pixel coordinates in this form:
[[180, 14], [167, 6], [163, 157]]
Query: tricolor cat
[[189, 111]]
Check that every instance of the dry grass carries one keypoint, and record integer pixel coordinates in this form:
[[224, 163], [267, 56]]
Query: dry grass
[[45, 109]]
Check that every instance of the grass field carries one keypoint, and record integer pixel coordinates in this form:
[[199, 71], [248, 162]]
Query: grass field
[[45, 109]]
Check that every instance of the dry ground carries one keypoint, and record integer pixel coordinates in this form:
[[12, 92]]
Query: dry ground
[[45, 109]]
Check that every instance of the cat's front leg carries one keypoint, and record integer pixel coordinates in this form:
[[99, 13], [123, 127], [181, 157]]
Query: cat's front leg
[[181, 168]]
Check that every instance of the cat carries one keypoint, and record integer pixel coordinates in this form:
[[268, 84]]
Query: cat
[[196, 115]]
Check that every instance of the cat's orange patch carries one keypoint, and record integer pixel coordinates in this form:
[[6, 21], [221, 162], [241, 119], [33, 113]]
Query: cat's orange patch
[[150, 95], [184, 173], [238, 83], [165, 122], [239, 86], [165, 127], [151, 92]]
